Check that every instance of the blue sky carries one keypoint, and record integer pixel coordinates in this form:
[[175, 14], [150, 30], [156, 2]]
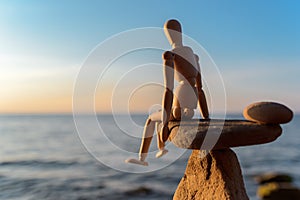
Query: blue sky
[[255, 44]]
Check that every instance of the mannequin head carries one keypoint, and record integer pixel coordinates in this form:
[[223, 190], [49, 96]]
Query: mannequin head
[[172, 29]]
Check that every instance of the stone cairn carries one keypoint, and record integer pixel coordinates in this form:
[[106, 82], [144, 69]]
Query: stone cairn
[[216, 174]]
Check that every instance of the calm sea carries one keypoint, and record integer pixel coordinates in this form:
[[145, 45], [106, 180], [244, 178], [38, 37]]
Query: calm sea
[[42, 157]]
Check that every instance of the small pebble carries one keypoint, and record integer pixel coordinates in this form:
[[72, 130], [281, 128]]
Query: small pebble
[[268, 113]]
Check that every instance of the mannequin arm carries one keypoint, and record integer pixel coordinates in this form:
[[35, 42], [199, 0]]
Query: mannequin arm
[[168, 71], [201, 96]]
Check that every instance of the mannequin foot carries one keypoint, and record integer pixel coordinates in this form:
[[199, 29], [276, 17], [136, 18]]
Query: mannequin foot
[[160, 153], [136, 161]]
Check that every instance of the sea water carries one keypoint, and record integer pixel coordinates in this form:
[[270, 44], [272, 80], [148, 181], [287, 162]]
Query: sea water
[[43, 157]]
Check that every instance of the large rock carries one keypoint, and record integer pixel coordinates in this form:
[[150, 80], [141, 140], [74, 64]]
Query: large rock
[[277, 186], [273, 177], [215, 176], [278, 191], [220, 134]]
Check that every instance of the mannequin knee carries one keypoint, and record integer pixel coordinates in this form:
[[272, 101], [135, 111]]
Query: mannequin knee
[[148, 121]]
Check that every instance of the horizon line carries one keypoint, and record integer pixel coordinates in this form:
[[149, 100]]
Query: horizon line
[[97, 113]]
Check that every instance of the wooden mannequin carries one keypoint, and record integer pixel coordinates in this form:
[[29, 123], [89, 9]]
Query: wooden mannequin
[[183, 65]]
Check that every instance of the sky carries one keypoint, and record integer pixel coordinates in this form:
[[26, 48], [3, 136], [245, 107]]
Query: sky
[[43, 45]]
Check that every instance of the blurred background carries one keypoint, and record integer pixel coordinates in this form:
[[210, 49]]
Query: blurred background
[[43, 44]]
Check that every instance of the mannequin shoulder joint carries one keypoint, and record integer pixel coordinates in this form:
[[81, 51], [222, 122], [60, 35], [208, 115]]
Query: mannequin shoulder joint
[[168, 55]]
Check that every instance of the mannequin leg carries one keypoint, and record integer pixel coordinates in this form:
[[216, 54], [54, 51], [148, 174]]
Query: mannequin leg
[[146, 140], [160, 144]]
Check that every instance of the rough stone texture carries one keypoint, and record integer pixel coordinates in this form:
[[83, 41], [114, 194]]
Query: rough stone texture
[[222, 134], [216, 176]]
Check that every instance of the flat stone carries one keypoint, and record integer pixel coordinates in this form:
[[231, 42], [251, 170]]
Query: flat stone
[[268, 113], [215, 176], [220, 134]]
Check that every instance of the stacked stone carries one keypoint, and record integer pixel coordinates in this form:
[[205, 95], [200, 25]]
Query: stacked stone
[[218, 174]]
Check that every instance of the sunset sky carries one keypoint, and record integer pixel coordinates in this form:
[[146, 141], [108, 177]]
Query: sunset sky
[[43, 44]]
